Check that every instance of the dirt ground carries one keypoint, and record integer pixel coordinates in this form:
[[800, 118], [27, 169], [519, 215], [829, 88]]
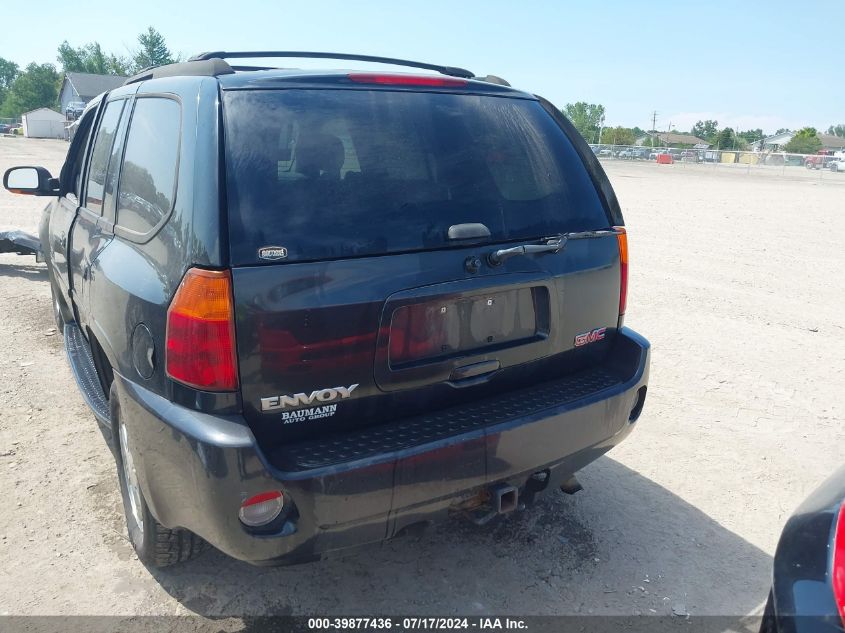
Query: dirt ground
[[735, 279]]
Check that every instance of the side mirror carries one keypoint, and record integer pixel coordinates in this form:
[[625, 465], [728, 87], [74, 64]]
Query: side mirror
[[30, 181]]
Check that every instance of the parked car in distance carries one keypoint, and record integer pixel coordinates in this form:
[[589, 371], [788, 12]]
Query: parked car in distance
[[820, 160], [808, 579], [74, 109], [690, 156], [625, 153], [364, 331]]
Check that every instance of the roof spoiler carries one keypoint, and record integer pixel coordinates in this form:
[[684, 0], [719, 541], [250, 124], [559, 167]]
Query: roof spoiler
[[205, 68]]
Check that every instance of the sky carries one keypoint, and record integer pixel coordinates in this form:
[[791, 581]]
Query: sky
[[754, 64]]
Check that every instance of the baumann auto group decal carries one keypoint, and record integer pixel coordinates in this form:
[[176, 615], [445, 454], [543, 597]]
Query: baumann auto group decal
[[288, 405], [315, 413]]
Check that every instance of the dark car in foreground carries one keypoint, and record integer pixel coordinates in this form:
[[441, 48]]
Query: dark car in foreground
[[808, 586], [315, 309]]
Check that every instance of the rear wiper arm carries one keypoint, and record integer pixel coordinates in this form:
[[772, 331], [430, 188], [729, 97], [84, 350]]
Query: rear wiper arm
[[550, 245]]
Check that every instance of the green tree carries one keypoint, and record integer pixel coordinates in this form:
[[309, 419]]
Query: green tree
[[35, 87], [837, 130], [119, 65], [153, 51], [71, 59], [8, 73], [98, 63], [805, 141], [752, 136], [618, 136], [587, 118], [706, 130], [725, 139], [91, 59]]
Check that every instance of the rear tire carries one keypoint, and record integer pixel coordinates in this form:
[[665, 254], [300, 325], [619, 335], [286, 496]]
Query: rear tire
[[155, 545]]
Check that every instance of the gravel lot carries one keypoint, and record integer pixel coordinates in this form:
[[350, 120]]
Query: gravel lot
[[735, 278]]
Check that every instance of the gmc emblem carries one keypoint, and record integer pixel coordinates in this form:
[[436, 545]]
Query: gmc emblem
[[590, 337]]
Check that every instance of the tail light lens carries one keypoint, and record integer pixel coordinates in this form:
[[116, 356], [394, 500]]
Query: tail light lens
[[201, 332], [839, 563], [622, 238]]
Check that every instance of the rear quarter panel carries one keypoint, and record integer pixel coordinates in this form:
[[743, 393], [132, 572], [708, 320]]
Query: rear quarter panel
[[135, 280]]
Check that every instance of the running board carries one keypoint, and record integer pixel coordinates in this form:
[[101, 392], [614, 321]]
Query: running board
[[20, 243], [82, 363]]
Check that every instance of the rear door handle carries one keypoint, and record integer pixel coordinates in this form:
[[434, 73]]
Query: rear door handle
[[474, 374]]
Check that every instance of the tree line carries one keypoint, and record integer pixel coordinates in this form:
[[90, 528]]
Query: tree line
[[38, 85], [588, 119]]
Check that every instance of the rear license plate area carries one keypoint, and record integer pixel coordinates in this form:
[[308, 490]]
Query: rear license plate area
[[445, 327]]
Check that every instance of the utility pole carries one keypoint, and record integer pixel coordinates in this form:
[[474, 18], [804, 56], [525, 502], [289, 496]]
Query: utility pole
[[653, 127]]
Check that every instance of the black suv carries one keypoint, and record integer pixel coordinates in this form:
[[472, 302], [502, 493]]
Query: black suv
[[313, 309]]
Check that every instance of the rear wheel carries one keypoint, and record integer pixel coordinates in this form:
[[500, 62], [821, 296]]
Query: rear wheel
[[156, 545]]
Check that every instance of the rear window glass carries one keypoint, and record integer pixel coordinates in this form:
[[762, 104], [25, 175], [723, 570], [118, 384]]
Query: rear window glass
[[148, 175], [344, 173]]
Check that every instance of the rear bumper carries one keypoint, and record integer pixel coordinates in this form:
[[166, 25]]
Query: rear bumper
[[803, 600], [196, 469]]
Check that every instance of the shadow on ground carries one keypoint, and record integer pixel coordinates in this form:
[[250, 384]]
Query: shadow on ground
[[25, 268], [623, 546]]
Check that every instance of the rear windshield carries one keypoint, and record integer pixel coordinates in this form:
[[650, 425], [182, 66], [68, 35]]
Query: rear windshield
[[319, 174]]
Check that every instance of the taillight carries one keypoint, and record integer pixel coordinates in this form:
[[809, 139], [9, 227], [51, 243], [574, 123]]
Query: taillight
[[622, 239], [200, 348], [839, 563], [406, 80]]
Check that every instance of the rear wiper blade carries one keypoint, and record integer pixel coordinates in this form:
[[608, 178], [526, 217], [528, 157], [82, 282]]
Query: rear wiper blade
[[550, 245]]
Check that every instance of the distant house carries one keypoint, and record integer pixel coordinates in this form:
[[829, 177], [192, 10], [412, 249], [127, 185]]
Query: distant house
[[776, 142], [82, 87], [672, 139], [829, 141], [43, 123]]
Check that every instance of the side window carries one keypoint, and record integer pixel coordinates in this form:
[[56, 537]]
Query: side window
[[99, 164], [147, 186], [114, 164]]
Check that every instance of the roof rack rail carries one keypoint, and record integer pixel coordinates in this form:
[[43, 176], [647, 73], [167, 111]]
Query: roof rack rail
[[445, 70]]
